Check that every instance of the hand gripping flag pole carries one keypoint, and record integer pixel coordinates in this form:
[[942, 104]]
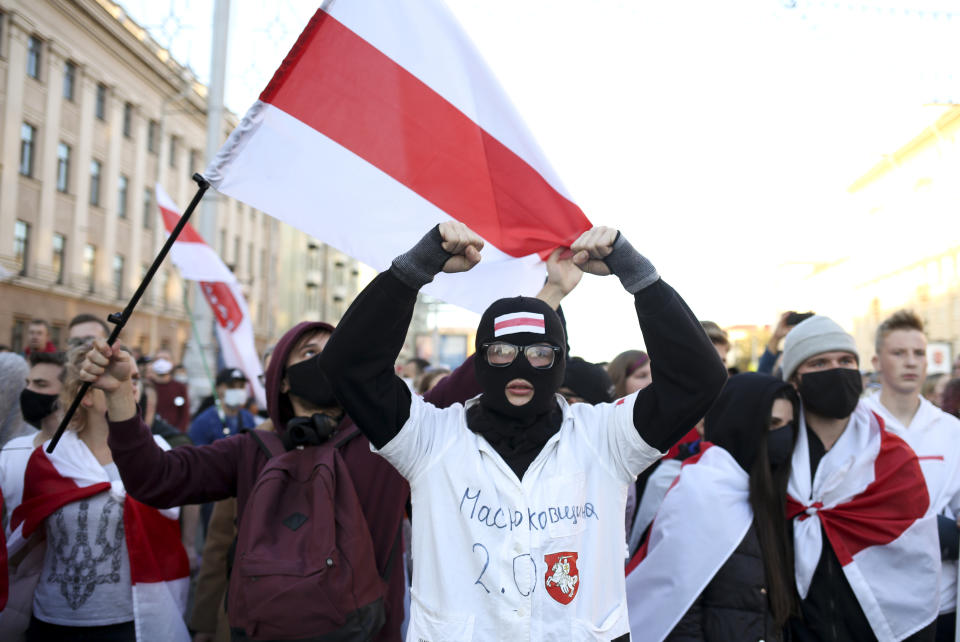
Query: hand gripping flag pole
[[119, 319]]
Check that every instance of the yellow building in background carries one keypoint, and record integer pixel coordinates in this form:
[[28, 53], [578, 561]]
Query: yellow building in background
[[902, 241]]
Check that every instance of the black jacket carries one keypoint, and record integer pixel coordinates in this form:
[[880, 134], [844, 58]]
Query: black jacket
[[733, 607]]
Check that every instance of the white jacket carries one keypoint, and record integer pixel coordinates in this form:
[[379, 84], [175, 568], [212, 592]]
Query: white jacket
[[500, 559]]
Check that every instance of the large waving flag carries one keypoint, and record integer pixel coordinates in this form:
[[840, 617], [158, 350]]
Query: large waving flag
[[382, 121], [198, 262]]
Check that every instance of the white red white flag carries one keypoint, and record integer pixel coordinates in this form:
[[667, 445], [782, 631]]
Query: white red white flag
[[870, 498], [382, 121], [682, 553], [198, 262], [159, 570]]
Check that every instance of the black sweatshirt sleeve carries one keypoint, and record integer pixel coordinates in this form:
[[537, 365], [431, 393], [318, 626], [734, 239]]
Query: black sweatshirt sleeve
[[687, 372], [358, 359]]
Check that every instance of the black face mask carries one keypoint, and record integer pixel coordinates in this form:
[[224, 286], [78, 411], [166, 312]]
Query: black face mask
[[309, 383], [831, 393], [780, 445], [36, 406]]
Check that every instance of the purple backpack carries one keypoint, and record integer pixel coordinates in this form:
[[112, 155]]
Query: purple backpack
[[305, 567]]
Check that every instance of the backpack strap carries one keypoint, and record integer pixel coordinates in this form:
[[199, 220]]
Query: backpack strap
[[346, 439], [260, 443]]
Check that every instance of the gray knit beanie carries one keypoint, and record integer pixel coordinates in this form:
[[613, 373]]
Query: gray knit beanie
[[815, 335]]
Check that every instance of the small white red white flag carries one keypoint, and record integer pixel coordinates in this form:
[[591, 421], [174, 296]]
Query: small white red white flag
[[198, 262], [518, 322], [382, 121]]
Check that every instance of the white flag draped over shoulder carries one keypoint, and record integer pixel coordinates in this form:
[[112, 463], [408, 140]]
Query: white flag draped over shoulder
[[382, 121], [198, 262]]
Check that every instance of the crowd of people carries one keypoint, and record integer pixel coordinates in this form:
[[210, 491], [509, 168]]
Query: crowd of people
[[526, 494]]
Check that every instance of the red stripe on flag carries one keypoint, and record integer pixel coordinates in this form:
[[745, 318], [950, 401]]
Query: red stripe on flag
[[187, 234], [888, 506], [45, 490], [931, 457], [515, 322], [153, 544], [342, 86]]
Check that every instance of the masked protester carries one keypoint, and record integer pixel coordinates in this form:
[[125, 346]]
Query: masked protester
[[210, 425], [38, 404], [302, 405], [519, 497], [867, 557], [718, 551]]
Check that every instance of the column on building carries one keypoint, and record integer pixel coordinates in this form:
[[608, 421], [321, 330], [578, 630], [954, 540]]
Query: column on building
[[108, 198], [86, 90], [19, 30], [43, 240], [138, 183]]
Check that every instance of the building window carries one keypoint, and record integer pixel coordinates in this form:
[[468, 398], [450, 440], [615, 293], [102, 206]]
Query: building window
[[28, 134], [100, 108], [148, 209], [59, 248], [17, 335], [21, 245], [122, 188], [164, 284], [153, 132], [173, 151], [194, 159], [34, 47], [69, 79], [118, 275], [127, 120], [63, 167], [89, 264], [95, 171]]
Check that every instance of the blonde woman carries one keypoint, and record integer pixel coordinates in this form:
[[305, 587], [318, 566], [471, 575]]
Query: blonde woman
[[113, 568]]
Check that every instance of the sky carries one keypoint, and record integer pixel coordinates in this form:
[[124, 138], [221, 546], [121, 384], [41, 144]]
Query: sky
[[718, 137]]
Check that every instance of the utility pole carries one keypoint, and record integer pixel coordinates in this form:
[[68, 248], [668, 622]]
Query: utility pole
[[203, 339]]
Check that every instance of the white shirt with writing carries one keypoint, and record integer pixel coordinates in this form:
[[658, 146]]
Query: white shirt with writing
[[497, 558]]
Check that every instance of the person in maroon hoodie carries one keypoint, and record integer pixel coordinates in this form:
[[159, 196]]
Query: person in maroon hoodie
[[229, 467]]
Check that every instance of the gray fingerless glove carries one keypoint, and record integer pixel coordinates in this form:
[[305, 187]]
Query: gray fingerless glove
[[417, 266], [633, 269]]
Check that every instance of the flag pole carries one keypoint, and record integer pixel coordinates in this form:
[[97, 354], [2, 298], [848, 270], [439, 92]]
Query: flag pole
[[119, 319]]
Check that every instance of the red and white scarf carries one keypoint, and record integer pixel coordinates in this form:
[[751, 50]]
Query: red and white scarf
[[683, 551], [159, 570], [870, 496]]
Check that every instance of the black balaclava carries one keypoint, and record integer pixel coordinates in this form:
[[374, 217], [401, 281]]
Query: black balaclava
[[740, 418], [517, 320], [589, 381], [518, 433]]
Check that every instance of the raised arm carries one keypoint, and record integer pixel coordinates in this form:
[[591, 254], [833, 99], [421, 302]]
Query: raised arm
[[358, 359], [687, 373], [184, 475]]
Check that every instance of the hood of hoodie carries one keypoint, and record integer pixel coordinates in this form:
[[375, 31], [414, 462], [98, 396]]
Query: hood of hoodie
[[740, 417], [13, 379], [278, 403]]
